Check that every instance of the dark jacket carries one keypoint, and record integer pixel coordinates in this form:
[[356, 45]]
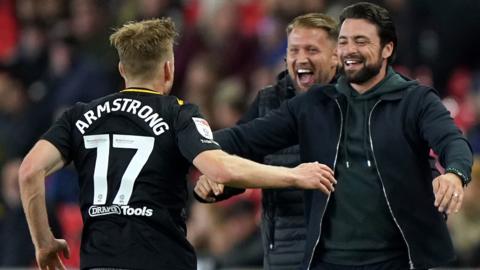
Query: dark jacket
[[402, 127], [283, 220], [370, 223]]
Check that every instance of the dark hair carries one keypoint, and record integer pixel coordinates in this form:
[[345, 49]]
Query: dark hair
[[377, 15]]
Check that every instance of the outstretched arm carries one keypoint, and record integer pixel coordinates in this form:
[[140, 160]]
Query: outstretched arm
[[252, 139], [41, 161], [230, 170], [455, 155]]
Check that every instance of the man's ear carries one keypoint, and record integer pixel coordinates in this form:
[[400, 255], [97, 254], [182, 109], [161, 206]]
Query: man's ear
[[168, 70], [387, 50], [121, 69]]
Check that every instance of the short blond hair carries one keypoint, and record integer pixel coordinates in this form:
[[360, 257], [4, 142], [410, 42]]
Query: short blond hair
[[315, 20], [143, 45]]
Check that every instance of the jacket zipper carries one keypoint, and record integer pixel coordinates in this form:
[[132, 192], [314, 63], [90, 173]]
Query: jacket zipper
[[272, 199], [328, 198], [410, 262]]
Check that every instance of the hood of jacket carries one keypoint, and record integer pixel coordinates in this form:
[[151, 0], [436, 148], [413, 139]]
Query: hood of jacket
[[392, 83]]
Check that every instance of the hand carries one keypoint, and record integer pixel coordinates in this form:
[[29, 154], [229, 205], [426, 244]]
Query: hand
[[207, 189], [448, 192], [314, 175], [48, 257]]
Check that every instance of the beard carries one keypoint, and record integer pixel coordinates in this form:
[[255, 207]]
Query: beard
[[367, 72]]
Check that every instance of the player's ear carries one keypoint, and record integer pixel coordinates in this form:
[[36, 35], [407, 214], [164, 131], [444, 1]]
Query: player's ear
[[121, 69], [168, 70]]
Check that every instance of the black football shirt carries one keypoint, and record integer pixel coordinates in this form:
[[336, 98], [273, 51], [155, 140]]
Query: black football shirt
[[132, 151]]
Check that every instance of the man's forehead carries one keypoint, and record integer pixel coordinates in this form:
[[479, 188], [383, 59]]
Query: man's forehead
[[312, 34], [358, 27], [304, 29]]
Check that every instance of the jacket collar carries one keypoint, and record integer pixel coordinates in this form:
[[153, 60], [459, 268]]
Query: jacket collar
[[285, 82], [326, 91], [397, 94], [393, 96]]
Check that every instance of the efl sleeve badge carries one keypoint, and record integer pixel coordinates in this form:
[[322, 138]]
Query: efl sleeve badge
[[203, 127]]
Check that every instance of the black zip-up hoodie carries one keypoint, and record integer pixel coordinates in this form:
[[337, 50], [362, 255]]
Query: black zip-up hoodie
[[403, 126], [358, 227]]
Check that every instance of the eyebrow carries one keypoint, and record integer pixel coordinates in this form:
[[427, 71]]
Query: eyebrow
[[354, 37]]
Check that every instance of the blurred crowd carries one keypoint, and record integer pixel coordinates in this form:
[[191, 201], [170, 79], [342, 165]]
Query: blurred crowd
[[54, 53]]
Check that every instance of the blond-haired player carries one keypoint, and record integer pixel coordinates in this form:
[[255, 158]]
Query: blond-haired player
[[132, 150]]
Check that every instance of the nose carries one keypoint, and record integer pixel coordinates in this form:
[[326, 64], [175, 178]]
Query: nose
[[347, 48], [302, 57]]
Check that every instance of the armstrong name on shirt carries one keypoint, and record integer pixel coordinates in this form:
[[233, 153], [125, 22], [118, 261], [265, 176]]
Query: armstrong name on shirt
[[128, 105]]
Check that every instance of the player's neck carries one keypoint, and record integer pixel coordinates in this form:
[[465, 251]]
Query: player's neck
[[157, 87]]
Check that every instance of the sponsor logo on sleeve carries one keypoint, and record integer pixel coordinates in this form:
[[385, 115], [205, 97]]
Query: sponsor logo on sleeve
[[203, 127]]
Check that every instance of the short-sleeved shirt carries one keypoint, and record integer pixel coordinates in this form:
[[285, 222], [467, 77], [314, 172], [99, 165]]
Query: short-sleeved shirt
[[132, 151]]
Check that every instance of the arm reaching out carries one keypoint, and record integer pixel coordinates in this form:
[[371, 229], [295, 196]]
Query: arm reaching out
[[40, 162], [225, 169]]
